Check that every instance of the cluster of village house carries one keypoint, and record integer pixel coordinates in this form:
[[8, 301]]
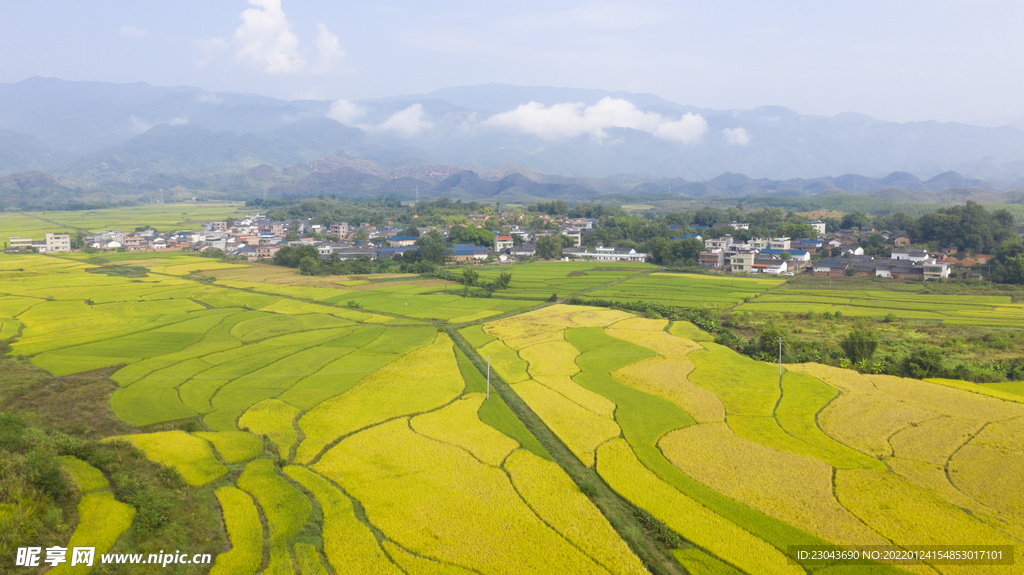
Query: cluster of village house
[[789, 256], [257, 237]]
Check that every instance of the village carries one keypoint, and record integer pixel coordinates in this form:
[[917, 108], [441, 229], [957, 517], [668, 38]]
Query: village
[[256, 238]]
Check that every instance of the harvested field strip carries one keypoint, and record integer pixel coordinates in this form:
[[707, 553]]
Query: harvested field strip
[[234, 446], [627, 476], [86, 477], [245, 531], [191, 456], [581, 430], [793, 488], [101, 520], [274, 419], [457, 424], [422, 380], [454, 508], [555, 498], [348, 544]]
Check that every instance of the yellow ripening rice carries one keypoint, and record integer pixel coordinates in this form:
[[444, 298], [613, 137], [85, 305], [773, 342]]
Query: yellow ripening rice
[[551, 358], [909, 515], [933, 441], [992, 476], [458, 424], [687, 330], [416, 565], [845, 380], [946, 400], [242, 522], [626, 475], [519, 334], [273, 418], [866, 421], [441, 503], [599, 317], [308, 560], [594, 402], [1007, 435], [665, 375], [793, 488], [556, 499], [505, 362], [234, 446], [349, 545], [419, 381], [640, 324], [86, 477], [934, 479], [579, 428], [101, 520], [191, 456]]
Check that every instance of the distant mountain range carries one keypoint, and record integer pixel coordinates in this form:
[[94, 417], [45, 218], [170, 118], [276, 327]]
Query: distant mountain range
[[477, 142]]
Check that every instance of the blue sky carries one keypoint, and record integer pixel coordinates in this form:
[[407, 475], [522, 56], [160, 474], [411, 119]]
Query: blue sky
[[946, 60]]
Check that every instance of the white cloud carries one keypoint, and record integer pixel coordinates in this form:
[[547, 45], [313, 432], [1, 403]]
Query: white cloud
[[265, 39], [178, 121], [407, 122], [573, 119], [133, 32], [736, 136], [346, 112], [209, 98], [327, 46], [210, 48], [139, 125]]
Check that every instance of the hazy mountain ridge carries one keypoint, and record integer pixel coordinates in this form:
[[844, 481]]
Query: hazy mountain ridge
[[87, 133]]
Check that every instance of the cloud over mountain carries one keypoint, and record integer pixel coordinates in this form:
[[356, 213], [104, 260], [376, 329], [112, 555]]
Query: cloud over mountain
[[567, 120]]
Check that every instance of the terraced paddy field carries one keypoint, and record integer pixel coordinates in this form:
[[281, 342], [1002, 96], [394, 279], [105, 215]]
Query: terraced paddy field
[[686, 290], [360, 443], [362, 439], [164, 217], [742, 463], [980, 310]]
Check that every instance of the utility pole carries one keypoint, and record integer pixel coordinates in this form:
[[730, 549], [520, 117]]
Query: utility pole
[[780, 360], [488, 377]]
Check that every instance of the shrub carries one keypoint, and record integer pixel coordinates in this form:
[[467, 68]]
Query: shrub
[[860, 345]]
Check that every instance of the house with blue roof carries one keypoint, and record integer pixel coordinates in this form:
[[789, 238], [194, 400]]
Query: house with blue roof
[[401, 241]]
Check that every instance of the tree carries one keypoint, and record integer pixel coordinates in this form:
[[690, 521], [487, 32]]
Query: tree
[[549, 247], [432, 247], [860, 345], [786, 256], [292, 236], [411, 231], [470, 277]]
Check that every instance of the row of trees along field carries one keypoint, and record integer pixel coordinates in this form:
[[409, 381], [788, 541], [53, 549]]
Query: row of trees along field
[[971, 227]]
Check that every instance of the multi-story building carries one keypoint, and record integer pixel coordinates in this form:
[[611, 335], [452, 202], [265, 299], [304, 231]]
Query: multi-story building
[[58, 243], [20, 243], [503, 243], [340, 230]]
